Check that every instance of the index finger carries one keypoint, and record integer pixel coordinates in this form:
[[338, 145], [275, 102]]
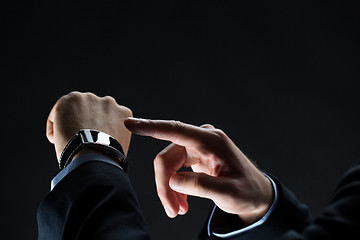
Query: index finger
[[182, 134]]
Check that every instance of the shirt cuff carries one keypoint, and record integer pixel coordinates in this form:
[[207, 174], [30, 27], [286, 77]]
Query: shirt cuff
[[83, 158], [242, 231]]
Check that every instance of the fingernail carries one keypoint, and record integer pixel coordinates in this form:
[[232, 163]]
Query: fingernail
[[169, 212], [135, 120], [182, 211], [177, 182], [135, 125]]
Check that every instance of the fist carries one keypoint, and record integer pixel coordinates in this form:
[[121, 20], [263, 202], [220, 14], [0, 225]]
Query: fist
[[76, 111]]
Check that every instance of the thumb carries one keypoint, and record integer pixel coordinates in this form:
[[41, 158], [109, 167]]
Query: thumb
[[196, 184]]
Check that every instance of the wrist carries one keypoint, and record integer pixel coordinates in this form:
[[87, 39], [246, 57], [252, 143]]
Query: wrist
[[255, 215], [92, 140], [264, 202]]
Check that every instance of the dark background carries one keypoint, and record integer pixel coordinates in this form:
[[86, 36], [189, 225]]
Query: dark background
[[280, 78]]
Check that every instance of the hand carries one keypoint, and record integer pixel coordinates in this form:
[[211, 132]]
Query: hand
[[222, 172], [76, 111]]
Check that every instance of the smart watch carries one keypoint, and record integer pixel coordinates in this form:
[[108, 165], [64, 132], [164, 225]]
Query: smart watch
[[96, 140]]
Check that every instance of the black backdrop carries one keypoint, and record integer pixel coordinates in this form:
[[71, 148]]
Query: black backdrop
[[279, 78]]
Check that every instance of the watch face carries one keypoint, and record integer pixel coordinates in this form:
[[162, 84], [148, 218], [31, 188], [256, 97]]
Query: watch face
[[92, 136], [97, 137]]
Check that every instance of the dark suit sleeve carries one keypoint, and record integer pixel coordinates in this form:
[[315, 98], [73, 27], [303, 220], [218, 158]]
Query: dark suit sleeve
[[289, 213], [291, 219], [341, 217], [94, 201]]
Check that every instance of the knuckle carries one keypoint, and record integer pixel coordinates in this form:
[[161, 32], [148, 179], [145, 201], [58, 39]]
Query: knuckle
[[126, 111], [72, 96], [197, 184], [177, 128], [91, 96], [177, 124], [207, 125], [212, 140], [159, 157], [109, 99], [216, 166], [68, 99], [218, 132], [162, 165]]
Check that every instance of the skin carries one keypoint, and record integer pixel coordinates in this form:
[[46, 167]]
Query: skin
[[221, 172], [76, 111]]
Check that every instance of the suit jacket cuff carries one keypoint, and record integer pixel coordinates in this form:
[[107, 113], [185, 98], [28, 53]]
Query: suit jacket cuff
[[272, 225], [232, 226], [81, 159]]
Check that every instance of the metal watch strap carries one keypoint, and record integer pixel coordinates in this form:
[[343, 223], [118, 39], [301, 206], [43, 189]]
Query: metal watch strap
[[96, 140]]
